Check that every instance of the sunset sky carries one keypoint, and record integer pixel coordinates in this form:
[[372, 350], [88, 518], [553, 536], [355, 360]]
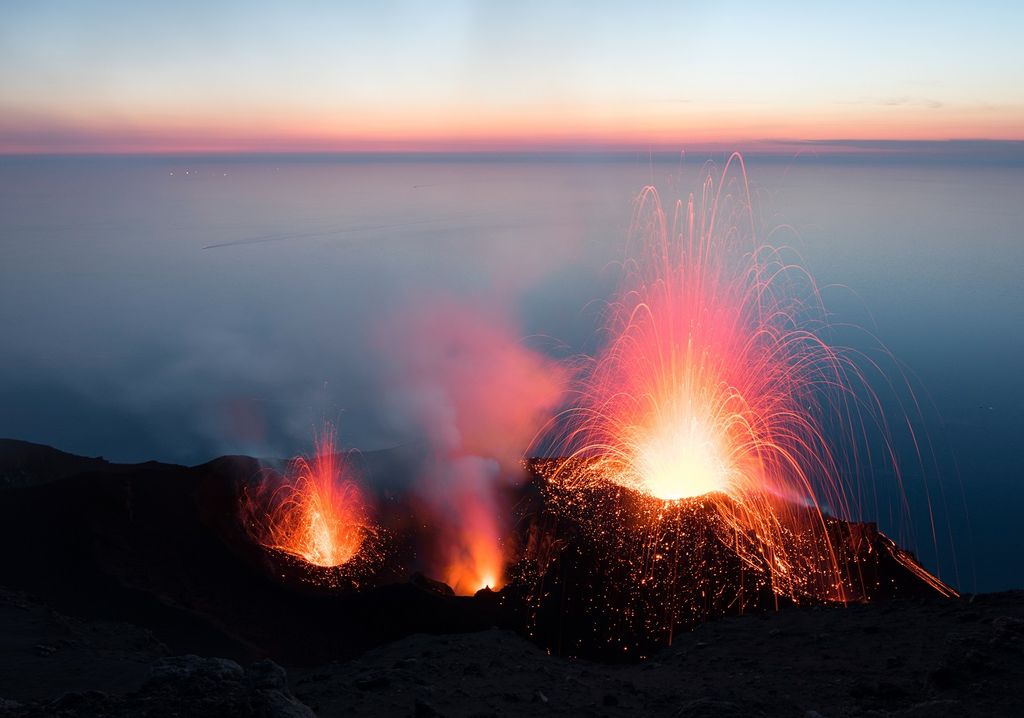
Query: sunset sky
[[194, 76]]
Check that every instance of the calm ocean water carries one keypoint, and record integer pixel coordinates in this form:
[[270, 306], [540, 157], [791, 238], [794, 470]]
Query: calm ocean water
[[180, 309]]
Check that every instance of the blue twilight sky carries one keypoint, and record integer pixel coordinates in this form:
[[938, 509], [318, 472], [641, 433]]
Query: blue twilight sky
[[146, 76]]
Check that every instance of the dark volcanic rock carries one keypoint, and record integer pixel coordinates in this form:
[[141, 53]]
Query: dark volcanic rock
[[163, 546], [658, 568], [760, 665], [183, 686], [707, 708], [796, 662], [429, 584], [133, 566], [26, 464]]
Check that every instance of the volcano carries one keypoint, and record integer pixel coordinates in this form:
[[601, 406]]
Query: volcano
[[624, 572], [163, 547]]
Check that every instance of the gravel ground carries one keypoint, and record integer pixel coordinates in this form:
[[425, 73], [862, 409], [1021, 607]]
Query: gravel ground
[[909, 658]]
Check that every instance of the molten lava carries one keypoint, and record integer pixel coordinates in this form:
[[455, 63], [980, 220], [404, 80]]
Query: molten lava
[[682, 459], [716, 382], [317, 512]]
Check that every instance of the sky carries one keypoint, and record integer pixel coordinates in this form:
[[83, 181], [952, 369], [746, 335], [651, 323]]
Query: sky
[[187, 76]]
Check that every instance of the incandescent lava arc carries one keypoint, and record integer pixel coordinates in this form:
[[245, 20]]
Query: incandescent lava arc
[[316, 512], [716, 382]]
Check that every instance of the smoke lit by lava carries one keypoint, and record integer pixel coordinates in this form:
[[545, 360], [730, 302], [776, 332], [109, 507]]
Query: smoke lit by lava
[[461, 380], [708, 460]]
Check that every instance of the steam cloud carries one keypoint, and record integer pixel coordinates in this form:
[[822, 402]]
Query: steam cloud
[[461, 380]]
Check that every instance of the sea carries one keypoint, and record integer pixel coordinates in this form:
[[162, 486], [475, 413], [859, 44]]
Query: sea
[[178, 308]]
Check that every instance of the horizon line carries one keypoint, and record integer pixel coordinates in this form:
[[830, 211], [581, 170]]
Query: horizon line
[[760, 148], [1009, 151]]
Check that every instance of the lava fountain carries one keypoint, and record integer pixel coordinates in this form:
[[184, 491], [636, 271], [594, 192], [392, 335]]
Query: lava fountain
[[717, 394], [316, 512]]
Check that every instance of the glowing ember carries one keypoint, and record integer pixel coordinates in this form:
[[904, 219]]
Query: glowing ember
[[317, 513], [716, 383]]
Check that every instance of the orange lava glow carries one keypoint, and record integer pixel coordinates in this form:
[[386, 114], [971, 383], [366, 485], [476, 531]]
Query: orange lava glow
[[473, 556], [716, 383], [479, 566], [318, 512]]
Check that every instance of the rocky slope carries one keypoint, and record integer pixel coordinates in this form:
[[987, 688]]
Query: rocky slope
[[134, 590], [920, 658]]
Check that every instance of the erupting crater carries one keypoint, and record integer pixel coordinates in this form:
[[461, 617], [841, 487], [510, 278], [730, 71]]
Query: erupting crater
[[717, 386], [315, 513]]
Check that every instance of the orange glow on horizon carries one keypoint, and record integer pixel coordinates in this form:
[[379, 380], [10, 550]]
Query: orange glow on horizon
[[507, 129]]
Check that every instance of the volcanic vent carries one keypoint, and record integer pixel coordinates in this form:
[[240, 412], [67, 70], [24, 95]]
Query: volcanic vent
[[315, 518]]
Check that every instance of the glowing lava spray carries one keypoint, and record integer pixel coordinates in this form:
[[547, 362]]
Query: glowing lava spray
[[716, 398], [316, 512]]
